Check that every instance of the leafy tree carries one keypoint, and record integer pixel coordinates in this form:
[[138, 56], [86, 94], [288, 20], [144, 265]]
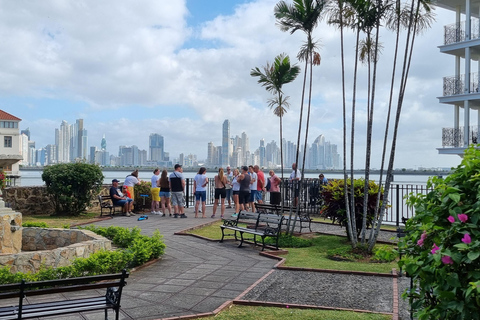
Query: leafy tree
[[273, 78], [302, 15], [442, 245], [72, 186]]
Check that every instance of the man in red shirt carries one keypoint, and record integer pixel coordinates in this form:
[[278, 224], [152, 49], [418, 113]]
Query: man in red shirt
[[260, 183]]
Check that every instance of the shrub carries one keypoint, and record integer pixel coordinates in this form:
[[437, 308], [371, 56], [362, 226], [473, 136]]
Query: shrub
[[136, 250], [334, 201], [34, 224], [143, 188], [385, 254], [72, 186], [442, 245]]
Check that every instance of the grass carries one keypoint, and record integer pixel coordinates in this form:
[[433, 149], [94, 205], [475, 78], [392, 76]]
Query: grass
[[61, 221], [270, 313], [314, 256]]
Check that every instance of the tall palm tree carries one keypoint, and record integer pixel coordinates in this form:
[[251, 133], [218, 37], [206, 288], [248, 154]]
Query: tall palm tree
[[302, 15], [273, 78]]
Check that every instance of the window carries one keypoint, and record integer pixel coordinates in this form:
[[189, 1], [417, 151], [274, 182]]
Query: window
[[7, 142]]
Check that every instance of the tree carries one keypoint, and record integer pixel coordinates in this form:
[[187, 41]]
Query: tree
[[72, 186], [273, 78], [303, 15]]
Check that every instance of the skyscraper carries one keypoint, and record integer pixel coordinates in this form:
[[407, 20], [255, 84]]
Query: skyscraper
[[156, 147], [225, 158]]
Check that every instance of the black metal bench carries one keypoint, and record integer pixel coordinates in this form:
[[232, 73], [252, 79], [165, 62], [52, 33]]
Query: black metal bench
[[265, 225], [111, 300], [106, 203], [303, 219]]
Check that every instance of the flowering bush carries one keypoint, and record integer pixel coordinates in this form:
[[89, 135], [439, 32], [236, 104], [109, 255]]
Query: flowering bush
[[3, 180], [442, 245]]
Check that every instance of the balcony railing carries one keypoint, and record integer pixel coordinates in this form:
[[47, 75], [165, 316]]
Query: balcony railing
[[456, 32], [452, 137], [455, 85]]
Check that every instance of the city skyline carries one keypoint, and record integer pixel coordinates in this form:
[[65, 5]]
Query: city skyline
[[181, 68]]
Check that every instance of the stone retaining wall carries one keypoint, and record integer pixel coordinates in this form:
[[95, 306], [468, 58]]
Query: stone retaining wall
[[65, 245], [35, 200]]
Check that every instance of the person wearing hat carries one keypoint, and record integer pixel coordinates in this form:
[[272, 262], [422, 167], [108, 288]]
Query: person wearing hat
[[177, 187], [121, 200]]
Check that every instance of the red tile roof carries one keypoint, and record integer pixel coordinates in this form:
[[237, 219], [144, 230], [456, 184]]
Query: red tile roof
[[7, 116]]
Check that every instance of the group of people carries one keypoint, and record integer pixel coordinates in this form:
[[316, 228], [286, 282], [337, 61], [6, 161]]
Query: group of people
[[244, 187]]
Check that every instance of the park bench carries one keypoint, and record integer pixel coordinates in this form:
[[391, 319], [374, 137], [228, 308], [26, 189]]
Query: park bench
[[264, 225], [58, 306], [303, 218], [106, 203]]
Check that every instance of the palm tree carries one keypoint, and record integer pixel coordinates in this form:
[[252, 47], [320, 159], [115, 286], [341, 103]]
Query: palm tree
[[302, 15], [273, 78]]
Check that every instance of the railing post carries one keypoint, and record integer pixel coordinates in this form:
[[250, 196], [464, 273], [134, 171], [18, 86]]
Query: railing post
[[398, 206], [187, 192]]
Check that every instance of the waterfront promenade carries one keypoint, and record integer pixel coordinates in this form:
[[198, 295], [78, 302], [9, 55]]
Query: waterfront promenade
[[197, 276]]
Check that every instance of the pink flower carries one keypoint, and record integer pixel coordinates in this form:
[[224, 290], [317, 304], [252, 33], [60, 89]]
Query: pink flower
[[420, 243], [447, 260], [466, 238], [451, 219], [435, 249], [424, 235], [462, 217]]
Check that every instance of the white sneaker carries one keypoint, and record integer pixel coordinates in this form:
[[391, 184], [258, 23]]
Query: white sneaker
[[153, 212], [158, 213]]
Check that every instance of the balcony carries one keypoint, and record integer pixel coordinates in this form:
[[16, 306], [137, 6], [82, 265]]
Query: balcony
[[455, 32], [453, 138], [455, 85]]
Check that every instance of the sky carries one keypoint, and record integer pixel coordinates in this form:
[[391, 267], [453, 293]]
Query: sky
[[180, 68]]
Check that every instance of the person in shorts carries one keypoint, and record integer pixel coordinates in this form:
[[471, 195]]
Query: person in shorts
[[244, 192], [200, 183], [177, 187], [228, 188], [154, 189], [165, 193], [120, 200], [253, 187], [220, 192]]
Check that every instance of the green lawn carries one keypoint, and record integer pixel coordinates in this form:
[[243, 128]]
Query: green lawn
[[269, 313], [61, 221], [314, 256]]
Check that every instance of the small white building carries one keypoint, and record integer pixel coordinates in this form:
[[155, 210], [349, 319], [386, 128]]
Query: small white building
[[461, 90], [10, 152]]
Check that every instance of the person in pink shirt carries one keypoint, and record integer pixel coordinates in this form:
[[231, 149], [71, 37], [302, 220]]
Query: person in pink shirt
[[260, 183], [275, 197]]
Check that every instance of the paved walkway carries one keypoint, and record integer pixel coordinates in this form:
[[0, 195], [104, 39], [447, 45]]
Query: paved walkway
[[197, 276]]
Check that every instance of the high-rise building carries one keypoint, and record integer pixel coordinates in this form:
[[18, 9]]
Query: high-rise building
[[225, 158], [211, 153], [103, 144], [156, 147], [26, 132], [62, 141], [24, 149], [261, 153]]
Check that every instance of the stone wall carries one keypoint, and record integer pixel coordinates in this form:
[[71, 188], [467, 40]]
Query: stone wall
[[10, 230], [64, 244], [35, 200]]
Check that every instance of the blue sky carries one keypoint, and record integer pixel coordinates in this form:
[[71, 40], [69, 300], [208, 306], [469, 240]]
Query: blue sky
[[180, 68]]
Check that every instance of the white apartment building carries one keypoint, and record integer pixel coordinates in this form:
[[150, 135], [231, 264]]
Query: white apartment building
[[461, 90], [10, 153]]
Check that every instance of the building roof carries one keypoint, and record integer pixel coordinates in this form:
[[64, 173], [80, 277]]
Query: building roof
[[7, 116]]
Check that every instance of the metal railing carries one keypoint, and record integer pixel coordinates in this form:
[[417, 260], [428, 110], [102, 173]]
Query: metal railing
[[455, 85], [311, 202], [452, 137], [456, 32]]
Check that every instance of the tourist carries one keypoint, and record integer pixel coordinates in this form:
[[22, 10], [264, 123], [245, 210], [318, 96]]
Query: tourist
[[120, 200], [165, 193], [177, 187], [236, 191], [295, 183], [244, 192], [260, 184], [154, 190], [220, 192], [322, 180], [228, 188], [200, 183], [130, 181], [275, 196], [253, 187]]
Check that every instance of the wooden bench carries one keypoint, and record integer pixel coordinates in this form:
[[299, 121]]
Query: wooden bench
[[265, 225], [303, 219], [111, 300], [106, 202]]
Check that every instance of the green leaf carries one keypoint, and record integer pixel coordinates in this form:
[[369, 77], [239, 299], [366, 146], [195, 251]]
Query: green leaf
[[453, 280], [455, 197], [473, 255], [461, 246]]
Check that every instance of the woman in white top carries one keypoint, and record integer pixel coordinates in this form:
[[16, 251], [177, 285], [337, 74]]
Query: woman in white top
[[236, 191], [200, 183]]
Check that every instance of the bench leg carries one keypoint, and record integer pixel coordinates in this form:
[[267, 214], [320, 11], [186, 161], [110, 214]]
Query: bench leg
[[223, 234], [241, 241]]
